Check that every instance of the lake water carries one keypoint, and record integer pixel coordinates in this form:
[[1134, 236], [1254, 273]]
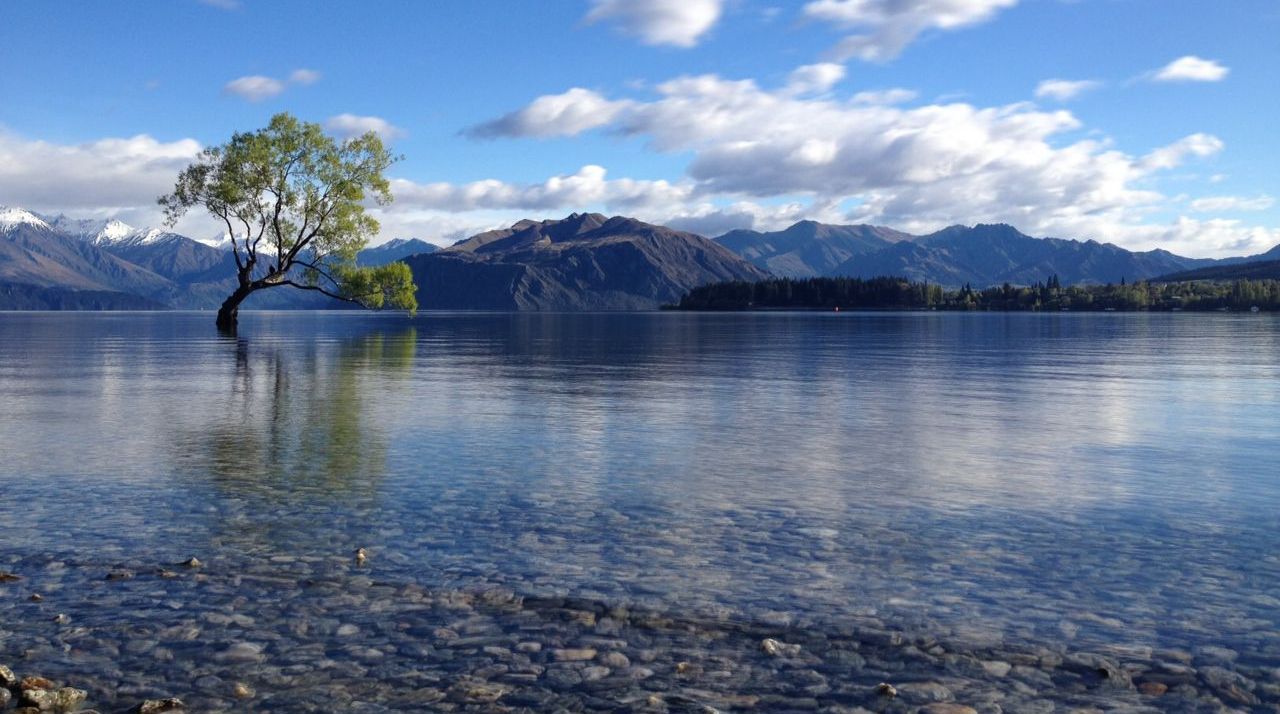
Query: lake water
[[1016, 512]]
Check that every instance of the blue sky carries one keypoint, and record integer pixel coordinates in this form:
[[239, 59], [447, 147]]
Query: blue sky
[[703, 114]]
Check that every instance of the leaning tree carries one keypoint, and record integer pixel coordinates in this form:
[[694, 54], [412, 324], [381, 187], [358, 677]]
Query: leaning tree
[[293, 202]]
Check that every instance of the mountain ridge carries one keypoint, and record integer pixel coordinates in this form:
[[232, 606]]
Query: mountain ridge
[[808, 248], [585, 261], [992, 254], [582, 261]]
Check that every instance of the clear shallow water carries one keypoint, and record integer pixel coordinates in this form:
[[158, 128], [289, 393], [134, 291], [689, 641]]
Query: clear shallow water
[[996, 483]]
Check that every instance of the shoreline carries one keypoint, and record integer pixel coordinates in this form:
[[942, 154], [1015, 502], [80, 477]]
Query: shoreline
[[490, 648]]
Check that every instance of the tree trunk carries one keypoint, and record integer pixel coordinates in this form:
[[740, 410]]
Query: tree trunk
[[229, 313]]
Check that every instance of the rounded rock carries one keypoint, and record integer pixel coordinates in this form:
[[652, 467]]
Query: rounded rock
[[580, 654], [1153, 689], [158, 706]]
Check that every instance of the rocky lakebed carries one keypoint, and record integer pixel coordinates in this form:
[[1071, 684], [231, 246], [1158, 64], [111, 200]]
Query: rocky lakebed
[[320, 634]]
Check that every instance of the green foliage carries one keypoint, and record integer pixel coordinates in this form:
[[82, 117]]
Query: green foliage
[[829, 293], [389, 285], [899, 293], [293, 200]]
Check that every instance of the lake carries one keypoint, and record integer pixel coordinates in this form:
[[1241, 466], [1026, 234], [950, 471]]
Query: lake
[[657, 511]]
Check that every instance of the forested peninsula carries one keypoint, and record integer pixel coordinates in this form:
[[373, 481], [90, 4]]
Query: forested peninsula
[[890, 293]]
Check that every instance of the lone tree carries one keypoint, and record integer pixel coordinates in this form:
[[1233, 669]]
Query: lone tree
[[292, 199]]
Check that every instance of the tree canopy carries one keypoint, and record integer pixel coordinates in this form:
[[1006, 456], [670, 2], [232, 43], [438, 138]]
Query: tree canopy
[[292, 199]]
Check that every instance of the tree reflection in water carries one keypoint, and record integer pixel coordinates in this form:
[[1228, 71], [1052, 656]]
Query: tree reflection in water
[[300, 423]]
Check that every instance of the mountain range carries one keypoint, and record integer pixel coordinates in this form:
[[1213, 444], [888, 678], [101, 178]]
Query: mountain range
[[586, 261], [809, 249], [985, 255], [55, 262], [980, 256], [1267, 267], [393, 250]]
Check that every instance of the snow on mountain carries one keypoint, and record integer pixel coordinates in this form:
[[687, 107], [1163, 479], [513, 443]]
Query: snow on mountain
[[108, 231], [82, 228], [221, 241], [140, 236], [98, 231], [114, 231], [12, 217]]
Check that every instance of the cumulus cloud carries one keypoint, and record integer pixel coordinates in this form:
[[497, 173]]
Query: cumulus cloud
[[1191, 69], [897, 95], [814, 78], [254, 88], [885, 27], [257, 87], [107, 173], [111, 177], [567, 114], [711, 218], [587, 187], [1172, 155], [680, 23], [918, 168], [1217, 204], [1065, 89], [350, 125], [1211, 237]]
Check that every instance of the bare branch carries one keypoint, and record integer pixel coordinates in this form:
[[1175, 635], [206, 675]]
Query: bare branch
[[317, 288], [316, 268], [231, 233]]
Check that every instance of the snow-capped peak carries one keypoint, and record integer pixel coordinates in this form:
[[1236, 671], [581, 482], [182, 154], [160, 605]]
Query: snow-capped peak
[[221, 241], [12, 217], [113, 231], [88, 229]]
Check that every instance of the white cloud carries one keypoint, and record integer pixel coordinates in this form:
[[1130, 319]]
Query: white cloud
[[712, 219], [759, 157], [886, 27], [113, 177], [1171, 156], [573, 112], [222, 4], [1215, 204], [814, 78], [304, 76], [349, 125], [254, 88], [917, 168], [1212, 237], [680, 23], [587, 187], [1065, 89], [887, 97], [1191, 69], [257, 87]]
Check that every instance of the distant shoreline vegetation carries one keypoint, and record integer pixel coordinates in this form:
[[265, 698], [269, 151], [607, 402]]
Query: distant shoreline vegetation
[[890, 293]]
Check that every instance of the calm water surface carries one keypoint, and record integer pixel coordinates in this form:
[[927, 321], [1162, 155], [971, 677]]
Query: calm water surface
[[998, 481]]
